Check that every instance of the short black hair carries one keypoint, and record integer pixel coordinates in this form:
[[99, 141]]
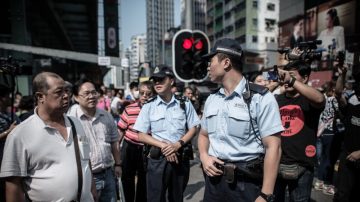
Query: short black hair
[[236, 61], [134, 85], [78, 84], [302, 67], [254, 75]]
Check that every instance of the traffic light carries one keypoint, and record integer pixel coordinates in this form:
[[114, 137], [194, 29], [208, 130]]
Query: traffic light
[[188, 48]]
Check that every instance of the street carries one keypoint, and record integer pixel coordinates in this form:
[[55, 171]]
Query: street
[[195, 189]]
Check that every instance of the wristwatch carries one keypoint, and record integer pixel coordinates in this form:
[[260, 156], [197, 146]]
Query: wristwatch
[[268, 197]]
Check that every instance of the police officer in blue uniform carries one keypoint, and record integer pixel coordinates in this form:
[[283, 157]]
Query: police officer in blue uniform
[[240, 123], [167, 122]]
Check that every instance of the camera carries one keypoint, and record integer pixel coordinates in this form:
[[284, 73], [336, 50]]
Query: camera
[[309, 51], [272, 75]]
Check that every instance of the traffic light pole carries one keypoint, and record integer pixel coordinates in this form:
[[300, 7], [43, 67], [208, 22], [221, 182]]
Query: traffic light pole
[[189, 14], [188, 20]]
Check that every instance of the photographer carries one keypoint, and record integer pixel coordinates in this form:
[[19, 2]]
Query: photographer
[[300, 108]]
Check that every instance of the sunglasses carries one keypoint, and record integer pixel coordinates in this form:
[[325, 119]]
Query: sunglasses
[[158, 79], [145, 93]]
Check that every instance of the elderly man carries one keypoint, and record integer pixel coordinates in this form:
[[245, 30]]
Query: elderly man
[[47, 156]]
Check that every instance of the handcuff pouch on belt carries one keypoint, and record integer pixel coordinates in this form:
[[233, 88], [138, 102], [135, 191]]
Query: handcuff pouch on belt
[[252, 169], [228, 170]]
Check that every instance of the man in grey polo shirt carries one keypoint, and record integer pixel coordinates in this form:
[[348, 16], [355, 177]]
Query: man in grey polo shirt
[[39, 156], [102, 132]]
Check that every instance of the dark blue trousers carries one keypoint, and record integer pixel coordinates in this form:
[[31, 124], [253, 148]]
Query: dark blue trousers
[[243, 189], [166, 179]]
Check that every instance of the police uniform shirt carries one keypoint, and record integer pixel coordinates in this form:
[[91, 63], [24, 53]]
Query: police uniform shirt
[[227, 122], [166, 121]]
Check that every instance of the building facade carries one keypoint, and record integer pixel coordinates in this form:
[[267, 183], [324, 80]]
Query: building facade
[[199, 14], [251, 22], [137, 55], [159, 18]]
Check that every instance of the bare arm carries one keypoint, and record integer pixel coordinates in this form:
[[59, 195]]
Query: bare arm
[[340, 86], [271, 162], [14, 191], [174, 147], [208, 162], [4, 134], [93, 185], [115, 148], [314, 96], [147, 139]]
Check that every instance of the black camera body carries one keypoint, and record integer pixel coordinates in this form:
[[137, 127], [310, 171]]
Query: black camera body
[[309, 53]]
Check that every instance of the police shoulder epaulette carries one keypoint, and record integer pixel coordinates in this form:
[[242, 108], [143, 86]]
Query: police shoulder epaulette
[[150, 99], [181, 98], [258, 89]]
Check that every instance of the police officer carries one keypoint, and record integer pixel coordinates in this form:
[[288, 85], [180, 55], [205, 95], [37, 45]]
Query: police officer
[[165, 119], [240, 122]]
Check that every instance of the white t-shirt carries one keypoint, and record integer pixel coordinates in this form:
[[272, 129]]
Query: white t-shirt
[[327, 37], [46, 161], [115, 104]]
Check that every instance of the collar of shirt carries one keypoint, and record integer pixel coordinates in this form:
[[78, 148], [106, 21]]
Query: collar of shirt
[[239, 89], [98, 113], [159, 100], [42, 124]]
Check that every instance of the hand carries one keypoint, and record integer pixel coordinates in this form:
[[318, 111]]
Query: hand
[[260, 199], [170, 148], [354, 156], [172, 158], [208, 164], [94, 191], [284, 76], [341, 70], [118, 171], [295, 54], [12, 126]]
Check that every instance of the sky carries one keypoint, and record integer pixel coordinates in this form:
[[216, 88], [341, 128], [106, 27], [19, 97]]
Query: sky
[[133, 18]]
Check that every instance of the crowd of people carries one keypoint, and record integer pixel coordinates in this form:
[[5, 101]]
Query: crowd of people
[[256, 138]]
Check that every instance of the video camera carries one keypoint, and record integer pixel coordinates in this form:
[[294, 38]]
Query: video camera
[[309, 51]]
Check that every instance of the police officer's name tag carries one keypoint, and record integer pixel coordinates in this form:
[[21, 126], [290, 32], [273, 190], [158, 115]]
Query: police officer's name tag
[[84, 147], [240, 105]]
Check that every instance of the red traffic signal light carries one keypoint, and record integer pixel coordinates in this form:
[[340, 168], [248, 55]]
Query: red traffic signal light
[[187, 44], [188, 48], [199, 45]]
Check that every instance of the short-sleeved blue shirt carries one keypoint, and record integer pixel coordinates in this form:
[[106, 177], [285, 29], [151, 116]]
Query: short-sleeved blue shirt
[[227, 122], [166, 121]]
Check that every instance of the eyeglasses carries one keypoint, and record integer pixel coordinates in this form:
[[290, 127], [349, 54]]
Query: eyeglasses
[[87, 94], [145, 93]]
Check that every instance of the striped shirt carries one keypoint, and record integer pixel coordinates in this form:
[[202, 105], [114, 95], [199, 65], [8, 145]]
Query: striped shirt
[[127, 121], [102, 132]]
